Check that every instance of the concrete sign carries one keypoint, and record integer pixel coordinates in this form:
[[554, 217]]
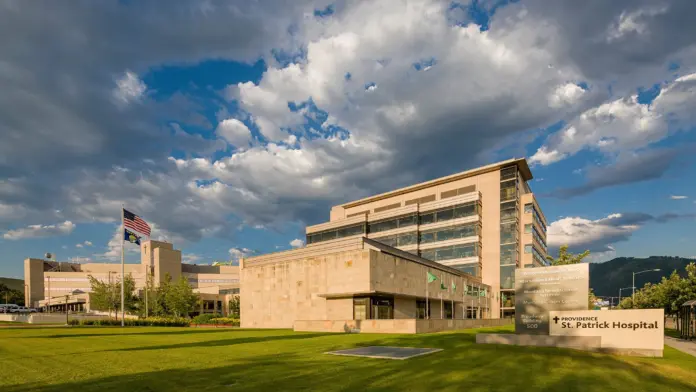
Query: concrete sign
[[541, 290], [639, 331]]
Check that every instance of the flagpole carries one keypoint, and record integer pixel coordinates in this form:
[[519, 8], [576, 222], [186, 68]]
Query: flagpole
[[123, 270], [427, 300], [442, 305]]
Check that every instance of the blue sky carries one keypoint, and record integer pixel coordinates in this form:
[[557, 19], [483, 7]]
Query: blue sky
[[232, 128]]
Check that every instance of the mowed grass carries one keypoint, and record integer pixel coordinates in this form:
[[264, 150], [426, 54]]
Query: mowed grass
[[191, 359]]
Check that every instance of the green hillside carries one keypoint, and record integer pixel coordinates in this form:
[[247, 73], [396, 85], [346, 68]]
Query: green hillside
[[607, 278], [13, 284]]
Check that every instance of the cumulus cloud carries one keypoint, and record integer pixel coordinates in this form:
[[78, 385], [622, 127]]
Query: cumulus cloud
[[625, 169], [239, 253], [600, 235], [190, 258], [235, 132], [38, 231], [297, 243], [324, 138], [113, 247], [624, 124], [129, 88], [83, 244]]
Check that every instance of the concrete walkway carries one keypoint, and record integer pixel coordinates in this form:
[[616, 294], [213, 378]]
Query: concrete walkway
[[688, 347]]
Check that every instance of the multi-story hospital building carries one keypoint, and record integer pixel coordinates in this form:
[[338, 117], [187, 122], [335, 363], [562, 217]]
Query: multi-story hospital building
[[370, 260]]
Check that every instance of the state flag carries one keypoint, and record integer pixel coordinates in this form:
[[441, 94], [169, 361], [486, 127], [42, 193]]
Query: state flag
[[131, 237]]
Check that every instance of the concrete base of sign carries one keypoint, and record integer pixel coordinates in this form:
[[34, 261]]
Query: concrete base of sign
[[585, 343], [579, 342]]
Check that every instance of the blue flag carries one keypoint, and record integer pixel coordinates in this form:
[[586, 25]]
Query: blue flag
[[131, 237]]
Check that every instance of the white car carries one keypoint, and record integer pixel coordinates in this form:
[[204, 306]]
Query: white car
[[22, 309]]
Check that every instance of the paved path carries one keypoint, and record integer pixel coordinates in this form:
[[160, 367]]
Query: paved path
[[688, 347]]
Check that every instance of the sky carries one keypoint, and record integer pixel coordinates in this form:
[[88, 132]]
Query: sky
[[231, 125]]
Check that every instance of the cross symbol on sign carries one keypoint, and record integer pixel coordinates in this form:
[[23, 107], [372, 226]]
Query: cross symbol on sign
[[555, 319]]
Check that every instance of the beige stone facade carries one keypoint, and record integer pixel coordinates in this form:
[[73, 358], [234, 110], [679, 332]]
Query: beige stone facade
[[491, 224], [370, 260], [354, 279], [48, 282]]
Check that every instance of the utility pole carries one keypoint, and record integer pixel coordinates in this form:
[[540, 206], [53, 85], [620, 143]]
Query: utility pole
[[66, 309], [633, 295]]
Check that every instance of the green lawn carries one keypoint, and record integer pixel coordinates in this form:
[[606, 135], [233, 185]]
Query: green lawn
[[180, 359]]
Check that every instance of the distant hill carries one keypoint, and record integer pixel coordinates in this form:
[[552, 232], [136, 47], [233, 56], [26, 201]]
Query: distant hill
[[14, 284], [606, 278]]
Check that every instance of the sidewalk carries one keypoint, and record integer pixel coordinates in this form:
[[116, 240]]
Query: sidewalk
[[688, 347]]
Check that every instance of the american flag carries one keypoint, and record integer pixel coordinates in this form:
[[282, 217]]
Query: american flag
[[134, 222]]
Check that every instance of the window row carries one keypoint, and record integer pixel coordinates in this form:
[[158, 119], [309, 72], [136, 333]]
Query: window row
[[399, 239], [508, 254], [449, 233], [451, 252], [530, 209], [194, 280], [394, 223], [335, 234], [449, 213], [441, 215], [538, 257], [508, 233], [508, 211], [69, 289], [508, 191], [471, 269], [539, 238]]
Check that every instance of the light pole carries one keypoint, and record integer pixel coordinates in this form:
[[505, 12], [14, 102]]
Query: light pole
[[625, 288], [633, 296]]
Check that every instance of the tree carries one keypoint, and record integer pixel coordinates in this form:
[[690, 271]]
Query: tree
[[10, 296], [106, 296], [591, 300], [180, 298], [234, 307], [566, 258]]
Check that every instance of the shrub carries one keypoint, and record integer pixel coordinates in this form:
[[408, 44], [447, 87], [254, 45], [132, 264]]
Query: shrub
[[225, 321], [205, 318], [148, 322]]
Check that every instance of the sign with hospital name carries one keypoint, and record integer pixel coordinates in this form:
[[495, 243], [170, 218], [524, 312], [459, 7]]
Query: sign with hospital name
[[540, 290], [632, 329]]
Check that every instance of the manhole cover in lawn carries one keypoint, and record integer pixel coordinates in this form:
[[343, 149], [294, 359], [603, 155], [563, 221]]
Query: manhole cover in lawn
[[386, 352]]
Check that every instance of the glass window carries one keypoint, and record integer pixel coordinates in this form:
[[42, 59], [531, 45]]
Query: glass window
[[528, 228], [508, 190], [445, 253], [507, 277], [445, 214], [471, 269], [507, 299], [407, 239], [508, 233], [427, 218], [528, 249], [508, 211], [508, 254], [407, 221], [421, 309], [465, 210], [528, 208], [508, 173], [427, 237]]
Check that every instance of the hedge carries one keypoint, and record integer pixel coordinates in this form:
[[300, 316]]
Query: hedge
[[148, 322], [225, 321], [205, 318]]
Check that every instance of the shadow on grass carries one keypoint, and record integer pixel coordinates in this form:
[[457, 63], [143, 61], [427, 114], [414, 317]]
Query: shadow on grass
[[480, 368], [132, 331], [226, 342]]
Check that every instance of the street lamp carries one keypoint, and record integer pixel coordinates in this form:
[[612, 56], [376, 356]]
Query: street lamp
[[625, 288], [633, 296]]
